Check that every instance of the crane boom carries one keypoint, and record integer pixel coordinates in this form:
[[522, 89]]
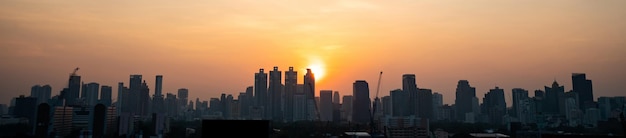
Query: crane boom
[[375, 105]]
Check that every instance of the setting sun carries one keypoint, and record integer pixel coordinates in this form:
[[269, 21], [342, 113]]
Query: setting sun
[[318, 70]]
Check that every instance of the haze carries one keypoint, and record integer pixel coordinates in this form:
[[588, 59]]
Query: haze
[[216, 46]]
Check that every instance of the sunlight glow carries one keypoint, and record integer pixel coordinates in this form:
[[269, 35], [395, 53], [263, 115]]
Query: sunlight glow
[[318, 70]]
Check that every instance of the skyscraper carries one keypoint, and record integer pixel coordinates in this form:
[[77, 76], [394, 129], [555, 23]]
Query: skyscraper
[[134, 90], [90, 95], [42, 93], [183, 94], [425, 103], [309, 92], [247, 102], [362, 103], [291, 80], [73, 90], [519, 96], [158, 87], [437, 105], [105, 95], [336, 97], [144, 100], [554, 102], [326, 105], [410, 87], [464, 97], [494, 106], [584, 88], [260, 90], [275, 95], [347, 107], [399, 100]]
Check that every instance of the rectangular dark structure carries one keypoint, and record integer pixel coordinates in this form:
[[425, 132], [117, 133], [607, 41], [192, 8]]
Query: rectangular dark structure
[[236, 128]]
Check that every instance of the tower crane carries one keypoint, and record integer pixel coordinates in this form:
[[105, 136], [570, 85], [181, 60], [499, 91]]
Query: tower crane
[[375, 105]]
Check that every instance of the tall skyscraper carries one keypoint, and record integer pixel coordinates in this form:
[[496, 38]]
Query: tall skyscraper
[[410, 87], [291, 80], [247, 102], [326, 105], [158, 87], [105, 95], [464, 97], [42, 93], [554, 101], [91, 92], [144, 100], [347, 107], [309, 92], [399, 100], [336, 98], [134, 90], [519, 97], [183, 94], [275, 94], [584, 88], [260, 90], [437, 105], [387, 105], [73, 91], [121, 102], [494, 106], [362, 103], [425, 103]]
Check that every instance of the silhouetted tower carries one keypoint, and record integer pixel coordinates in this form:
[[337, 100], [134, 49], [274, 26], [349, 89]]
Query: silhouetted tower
[[275, 95], [291, 80], [260, 90]]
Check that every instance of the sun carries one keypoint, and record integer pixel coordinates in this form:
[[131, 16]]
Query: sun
[[318, 70]]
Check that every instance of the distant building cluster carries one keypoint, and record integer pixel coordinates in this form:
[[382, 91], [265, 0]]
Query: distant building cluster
[[407, 111]]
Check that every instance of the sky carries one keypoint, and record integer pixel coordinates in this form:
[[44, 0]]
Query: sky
[[215, 46]]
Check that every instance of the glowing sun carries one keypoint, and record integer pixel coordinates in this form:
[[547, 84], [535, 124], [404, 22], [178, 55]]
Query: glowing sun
[[318, 70]]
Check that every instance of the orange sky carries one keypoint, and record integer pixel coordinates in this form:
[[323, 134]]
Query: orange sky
[[213, 47]]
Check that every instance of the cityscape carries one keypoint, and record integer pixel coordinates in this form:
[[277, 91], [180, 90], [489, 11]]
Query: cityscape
[[88, 109], [313, 68]]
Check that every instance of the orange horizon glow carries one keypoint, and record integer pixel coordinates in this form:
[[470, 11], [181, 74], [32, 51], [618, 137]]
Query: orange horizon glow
[[214, 47]]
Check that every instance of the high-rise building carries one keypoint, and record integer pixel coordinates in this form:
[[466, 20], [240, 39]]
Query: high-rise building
[[425, 103], [73, 91], [105, 95], [309, 92], [554, 101], [494, 105], [326, 105], [171, 105], [247, 101], [346, 107], [464, 97], [519, 97], [144, 100], [387, 105], [336, 98], [410, 87], [260, 90], [183, 94], [584, 88], [291, 82], [90, 95], [275, 95], [399, 100], [362, 103], [158, 87], [134, 90], [42, 93], [437, 105], [122, 99], [25, 107]]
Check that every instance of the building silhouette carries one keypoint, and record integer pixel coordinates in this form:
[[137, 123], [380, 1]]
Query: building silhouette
[[90, 93], [291, 83], [105, 95], [554, 101], [425, 103], [362, 104], [42, 93], [584, 88], [260, 91], [399, 102], [494, 105], [409, 86], [326, 105], [72, 94], [437, 105], [464, 102], [275, 95], [309, 92]]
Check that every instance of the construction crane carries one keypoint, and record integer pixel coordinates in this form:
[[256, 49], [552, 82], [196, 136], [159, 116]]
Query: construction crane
[[74, 73], [374, 106]]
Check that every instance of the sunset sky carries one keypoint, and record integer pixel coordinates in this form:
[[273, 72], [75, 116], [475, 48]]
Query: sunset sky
[[216, 46]]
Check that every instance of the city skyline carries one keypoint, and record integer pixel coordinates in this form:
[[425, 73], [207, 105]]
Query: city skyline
[[215, 47]]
